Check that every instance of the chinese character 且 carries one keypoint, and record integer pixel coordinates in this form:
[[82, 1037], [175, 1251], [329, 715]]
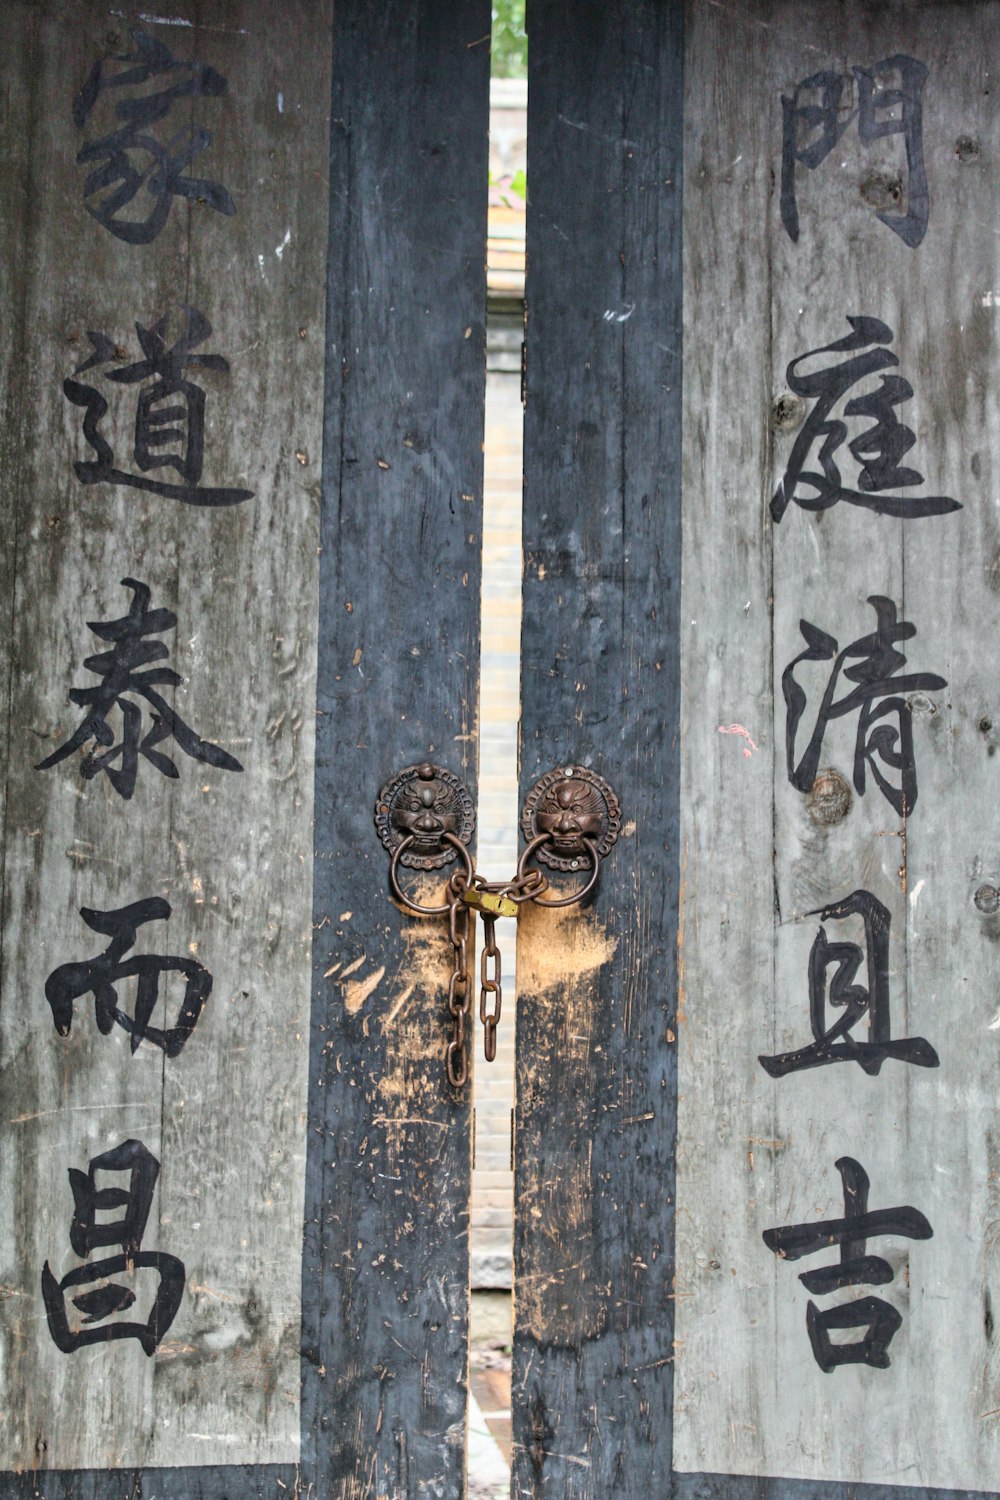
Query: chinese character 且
[[877, 449], [130, 157], [817, 115], [833, 1040], [169, 427], [110, 1298], [878, 696], [120, 677], [100, 976], [854, 1268]]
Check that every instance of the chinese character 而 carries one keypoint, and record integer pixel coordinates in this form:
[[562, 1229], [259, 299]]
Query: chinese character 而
[[102, 974]]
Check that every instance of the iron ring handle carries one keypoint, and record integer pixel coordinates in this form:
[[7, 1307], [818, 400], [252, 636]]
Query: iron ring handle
[[415, 906], [591, 847]]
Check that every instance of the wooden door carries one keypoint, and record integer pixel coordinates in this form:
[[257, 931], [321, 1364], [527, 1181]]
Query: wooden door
[[243, 383], [755, 1152]]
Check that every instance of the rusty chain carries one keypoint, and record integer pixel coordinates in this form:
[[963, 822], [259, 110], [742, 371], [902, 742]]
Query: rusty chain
[[469, 892]]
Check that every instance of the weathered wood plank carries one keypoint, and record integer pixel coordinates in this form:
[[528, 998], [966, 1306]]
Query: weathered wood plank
[[597, 987], [385, 1284], [230, 852], [756, 1151]]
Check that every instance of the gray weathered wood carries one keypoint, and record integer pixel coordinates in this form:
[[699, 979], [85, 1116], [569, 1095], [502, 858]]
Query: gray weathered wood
[[753, 1151], [594, 1140], [231, 852]]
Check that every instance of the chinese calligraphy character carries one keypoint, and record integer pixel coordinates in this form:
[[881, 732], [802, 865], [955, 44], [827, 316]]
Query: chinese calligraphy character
[[854, 1268], [169, 426], [877, 449], [878, 697], [100, 976], [888, 103], [120, 677], [130, 157], [109, 1298], [833, 1040]]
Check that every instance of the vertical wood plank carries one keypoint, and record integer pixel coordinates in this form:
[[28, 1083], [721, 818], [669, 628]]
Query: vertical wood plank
[[216, 1409], [386, 1264], [756, 1151], [597, 987]]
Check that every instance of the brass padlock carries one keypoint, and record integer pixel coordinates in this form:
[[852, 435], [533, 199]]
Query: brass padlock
[[490, 902]]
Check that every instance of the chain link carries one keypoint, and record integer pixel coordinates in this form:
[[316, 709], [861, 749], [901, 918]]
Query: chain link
[[490, 976], [466, 890], [459, 990]]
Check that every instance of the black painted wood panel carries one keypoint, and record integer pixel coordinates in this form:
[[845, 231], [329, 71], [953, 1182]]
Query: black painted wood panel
[[600, 687], [385, 1276]]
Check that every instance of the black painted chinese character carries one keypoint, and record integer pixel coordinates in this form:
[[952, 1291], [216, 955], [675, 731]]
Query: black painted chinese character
[[102, 974], [169, 427], [111, 1297], [876, 449], [120, 678], [878, 697], [131, 157], [849, 1002], [854, 1268], [888, 103]]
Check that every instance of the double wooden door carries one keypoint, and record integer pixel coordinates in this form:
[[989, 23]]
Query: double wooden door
[[243, 362]]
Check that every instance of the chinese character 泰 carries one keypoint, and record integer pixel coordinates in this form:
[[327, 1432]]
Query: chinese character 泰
[[102, 974], [121, 680], [877, 698], [854, 1268], [876, 449], [169, 427], [131, 157], [833, 1039], [97, 1314], [888, 103]]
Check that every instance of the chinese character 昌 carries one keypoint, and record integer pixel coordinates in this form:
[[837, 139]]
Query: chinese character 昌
[[121, 682], [96, 1315]]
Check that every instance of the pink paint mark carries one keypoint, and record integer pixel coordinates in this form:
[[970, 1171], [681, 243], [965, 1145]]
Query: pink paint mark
[[749, 747]]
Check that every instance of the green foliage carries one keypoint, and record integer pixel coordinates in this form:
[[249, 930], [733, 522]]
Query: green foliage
[[509, 52]]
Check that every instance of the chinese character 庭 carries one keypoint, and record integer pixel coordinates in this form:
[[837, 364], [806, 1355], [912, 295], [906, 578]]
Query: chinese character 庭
[[877, 449]]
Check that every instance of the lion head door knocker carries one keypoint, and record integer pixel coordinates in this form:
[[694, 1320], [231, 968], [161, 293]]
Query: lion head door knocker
[[425, 819], [571, 816], [423, 814]]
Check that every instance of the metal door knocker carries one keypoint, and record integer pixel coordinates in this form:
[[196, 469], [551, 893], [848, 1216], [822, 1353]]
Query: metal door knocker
[[425, 819]]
